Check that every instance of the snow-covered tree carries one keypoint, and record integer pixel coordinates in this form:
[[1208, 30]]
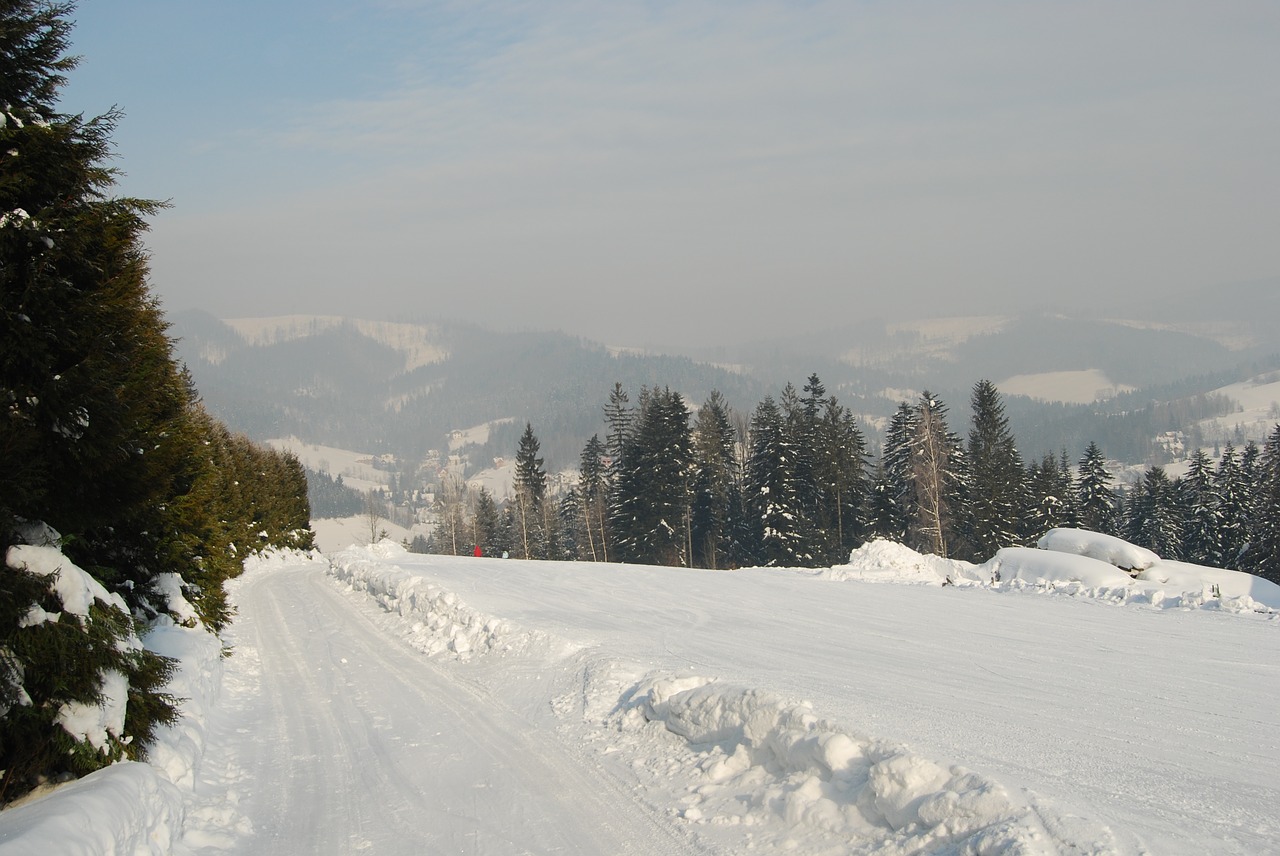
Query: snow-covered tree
[[771, 495], [1263, 555], [530, 535], [995, 497], [651, 515], [716, 491], [1095, 500], [936, 475], [892, 501]]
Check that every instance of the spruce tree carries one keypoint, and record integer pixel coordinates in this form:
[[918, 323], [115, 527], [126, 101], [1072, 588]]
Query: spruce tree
[[1153, 520], [772, 495], [593, 500], [844, 488], [1263, 556], [651, 515], [937, 478], [1202, 524], [892, 500], [995, 499], [715, 488], [1095, 500], [530, 495], [1231, 497]]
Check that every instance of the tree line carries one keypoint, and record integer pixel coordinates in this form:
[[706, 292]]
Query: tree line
[[103, 438], [794, 485]]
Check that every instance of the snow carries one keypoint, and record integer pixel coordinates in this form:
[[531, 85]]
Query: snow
[[418, 344], [356, 468], [75, 588], [384, 701], [1095, 545], [1258, 414], [1076, 387], [335, 533]]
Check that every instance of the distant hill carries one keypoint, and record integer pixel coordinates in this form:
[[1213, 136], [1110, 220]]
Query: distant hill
[[401, 388]]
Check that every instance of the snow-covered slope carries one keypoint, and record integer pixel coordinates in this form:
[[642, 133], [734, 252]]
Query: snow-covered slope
[[896, 704]]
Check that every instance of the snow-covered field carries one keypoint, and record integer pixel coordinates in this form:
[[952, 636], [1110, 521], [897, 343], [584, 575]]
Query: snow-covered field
[[396, 703]]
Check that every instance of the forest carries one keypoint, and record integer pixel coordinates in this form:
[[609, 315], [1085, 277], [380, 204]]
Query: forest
[[793, 485]]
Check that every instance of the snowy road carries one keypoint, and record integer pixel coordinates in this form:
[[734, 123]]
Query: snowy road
[[341, 739], [1126, 730], [1130, 729]]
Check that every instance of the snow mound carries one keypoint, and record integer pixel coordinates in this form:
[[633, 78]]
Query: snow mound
[[889, 561], [1075, 563], [129, 807], [1227, 586], [125, 808], [1095, 545], [752, 759], [1042, 567], [437, 622]]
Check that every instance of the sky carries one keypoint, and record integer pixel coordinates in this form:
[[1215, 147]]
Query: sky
[[686, 173]]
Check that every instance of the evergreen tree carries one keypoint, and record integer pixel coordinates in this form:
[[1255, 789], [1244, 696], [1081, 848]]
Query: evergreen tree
[[486, 524], [716, 497], [772, 497], [936, 477], [996, 501], [1201, 521], [102, 436], [844, 489], [1263, 556], [651, 517], [594, 501], [1153, 520], [1231, 498], [893, 504], [1047, 486], [1095, 500], [530, 495]]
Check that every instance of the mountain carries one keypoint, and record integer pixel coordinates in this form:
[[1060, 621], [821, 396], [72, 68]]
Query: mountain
[[403, 388]]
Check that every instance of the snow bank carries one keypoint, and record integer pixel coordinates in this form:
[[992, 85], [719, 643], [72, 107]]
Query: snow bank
[[131, 807], [134, 807], [436, 621], [1095, 545], [1222, 584], [889, 561], [1075, 563], [1042, 567], [754, 758], [127, 808]]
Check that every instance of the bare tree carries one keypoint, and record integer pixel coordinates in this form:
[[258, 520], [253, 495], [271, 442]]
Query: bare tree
[[374, 510]]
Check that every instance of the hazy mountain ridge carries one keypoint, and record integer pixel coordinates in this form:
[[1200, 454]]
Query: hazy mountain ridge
[[402, 387]]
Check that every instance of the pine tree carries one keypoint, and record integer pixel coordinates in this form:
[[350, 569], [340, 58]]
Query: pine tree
[[772, 497], [893, 504], [995, 504], [1263, 556], [530, 495], [1095, 500], [844, 489], [102, 435], [715, 488], [1153, 521], [1047, 486], [651, 516], [936, 477], [1202, 524], [1231, 498], [594, 501]]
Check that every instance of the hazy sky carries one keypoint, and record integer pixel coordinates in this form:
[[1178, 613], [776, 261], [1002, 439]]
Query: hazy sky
[[664, 172]]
